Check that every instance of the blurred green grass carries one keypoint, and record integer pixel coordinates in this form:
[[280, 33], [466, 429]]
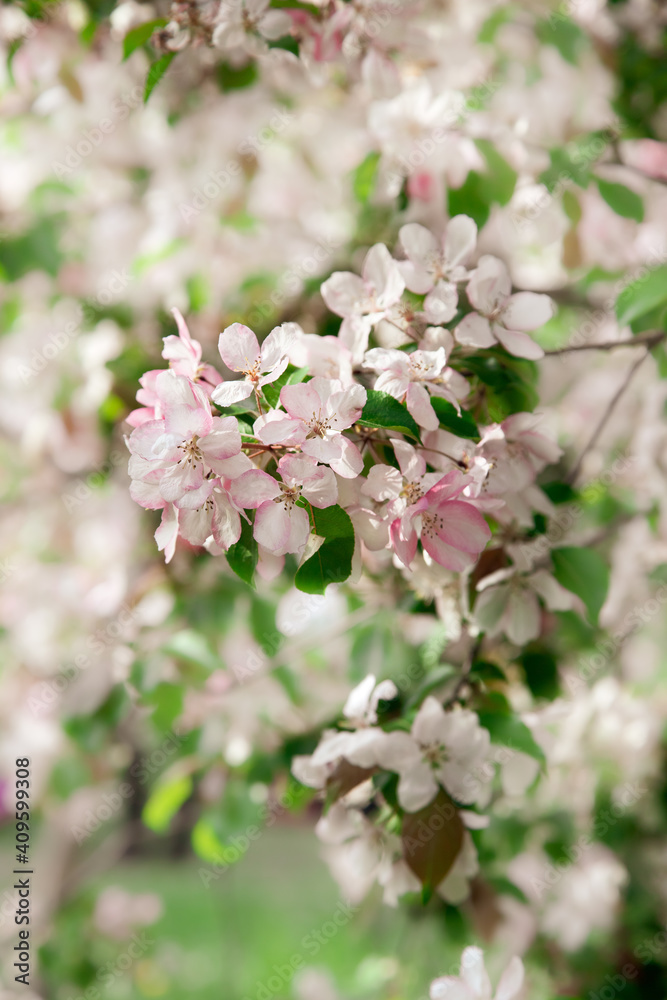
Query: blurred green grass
[[225, 940]]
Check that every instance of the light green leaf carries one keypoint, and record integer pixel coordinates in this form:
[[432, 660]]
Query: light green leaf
[[642, 295], [363, 179], [165, 801], [622, 200], [156, 72], [193, 647]]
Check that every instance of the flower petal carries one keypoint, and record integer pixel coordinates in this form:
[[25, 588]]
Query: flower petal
[[518, 344], [527, 311], [238, 347]]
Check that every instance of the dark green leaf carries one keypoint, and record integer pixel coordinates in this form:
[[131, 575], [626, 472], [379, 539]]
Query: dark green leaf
[[462, 425], [332, 563], [541, 672], [242, 556], [585, 573], [622, 200], [236, 78], [508, 730], [291, 376], [382, 410]]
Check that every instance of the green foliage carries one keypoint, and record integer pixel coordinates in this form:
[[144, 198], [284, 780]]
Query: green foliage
[[507, 729], [156, 71], [236, 77], [585, 573], [564, 35], [642, 296], [242, 556], [164, 802], [622, 200], [363, 178], [481, 190], [382, 410], [461, 424], [291, 376], [332, 563], [510, 382], [38, 249], [541, 672], [139, 36]]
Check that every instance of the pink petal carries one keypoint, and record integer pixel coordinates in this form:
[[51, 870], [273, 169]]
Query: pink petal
[[419, 405], [350, 464], [440, 304], [276, 427], [238, 347], [474, 331], [302, 401], [383, 483], [281, 530], [226, 524], [167, 533], [463, 527], [518, 344], [253, 488], [527, 311], [344, 293], [345, 406], [186, 421], [410, 462], [147, 495], [228, 393], [353, 335], [381, 272], [489, 285], [404, 543]]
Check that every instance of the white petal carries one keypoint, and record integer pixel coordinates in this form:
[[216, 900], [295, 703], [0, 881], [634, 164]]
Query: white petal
[[474, 331], [511, 981], [460, 240], [474, 973], [228, 393], [518, 344], [527, 311], [420, 246], [381, 271]]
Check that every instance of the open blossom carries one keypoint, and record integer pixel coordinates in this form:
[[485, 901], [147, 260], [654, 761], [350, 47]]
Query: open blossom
[[174, 456], [447, 749], [317, 412], [431, 263], [238, 20], [517, 451], [474, 982], [402, 486], [363, 301], [281, 525], [414, 376], [508, 602], [240, 350], [500, 317], [452, 531]]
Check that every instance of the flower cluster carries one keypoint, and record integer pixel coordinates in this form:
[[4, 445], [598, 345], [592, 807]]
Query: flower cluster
[[338, 422]]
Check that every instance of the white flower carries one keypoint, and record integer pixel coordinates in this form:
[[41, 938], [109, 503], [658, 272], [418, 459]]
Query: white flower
[[430, 262], [474, 982], [502, 318], [414, 376], [508, 603], [239, 19], [443, 748]]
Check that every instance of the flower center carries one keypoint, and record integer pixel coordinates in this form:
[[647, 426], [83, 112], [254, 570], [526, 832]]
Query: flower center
[[434, 754], [432, 524], [288, 496], [412, 492], [191, 452], [319, 426]]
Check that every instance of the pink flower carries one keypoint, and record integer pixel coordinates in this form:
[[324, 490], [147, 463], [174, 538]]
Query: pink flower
[[363, 301], [403, 486], [147, 396], [317, 412], [219, 516], [431, 262], [176, 455], [184, 357], [281, 525], [452, 531], [502, 317], [413, 376], [240, 350]]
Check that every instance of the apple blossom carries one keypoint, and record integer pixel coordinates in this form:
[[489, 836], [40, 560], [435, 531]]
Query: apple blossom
[[413, 376], [240, 351], [474, 982]]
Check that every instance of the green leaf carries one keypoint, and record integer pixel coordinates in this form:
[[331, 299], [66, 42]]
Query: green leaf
[[501, 179], [242, 556], [559, 31], [585, 573], [433, 680], [486, 671], [156, 72], [507, 729], [489, 29], [432, 839], [192, 646], [382, 410], [462, 425], [541, 672], [164, 802], [642, 295], [332, 563], [470, 199], [363, 179], [621, 199], [138, 36], [236, 78], [567, 164]]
